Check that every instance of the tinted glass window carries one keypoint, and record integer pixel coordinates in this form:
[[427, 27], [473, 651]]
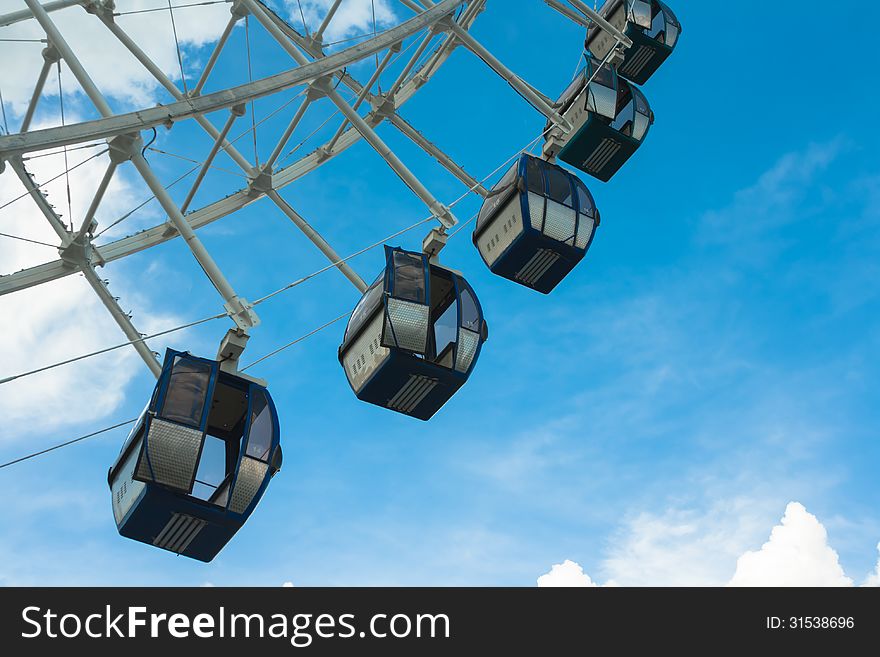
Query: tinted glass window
[[362, 310], [640, 13], [534, 177], [506, 181], [262, 427], [603, 76], [573, 89], [446, 330], [212, 468], [409, 277], [470, 314], [585, 200], [560, 187], [658, 26], [490, 205], [187, 391], [641, 103], [624, 121]]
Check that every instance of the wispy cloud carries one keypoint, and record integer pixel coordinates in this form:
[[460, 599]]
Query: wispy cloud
[[352, 18]]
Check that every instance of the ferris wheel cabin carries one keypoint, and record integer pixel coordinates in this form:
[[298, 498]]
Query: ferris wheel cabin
[[415, 336], [610, 119], [197, 461], [536, 224], [652, 27]]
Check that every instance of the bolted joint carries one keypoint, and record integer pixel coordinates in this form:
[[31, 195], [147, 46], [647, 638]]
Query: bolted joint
[[242, 313], [322, 84], [444, 214], [239, 9], [315, 90], [261, 184], [51, 54], [383, 106], [239, 110], [103, 9], [122, 147]]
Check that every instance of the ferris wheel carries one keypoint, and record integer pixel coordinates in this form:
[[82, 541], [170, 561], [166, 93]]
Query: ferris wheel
[[416, 335]]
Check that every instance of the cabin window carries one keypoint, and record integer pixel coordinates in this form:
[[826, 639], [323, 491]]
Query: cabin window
[[585, 202], [490, 205], [640, 13], [444, 310], [367, 303], [409, 277], [260, 435], [212, 468], [534, 176], [559, 186], [604, 76], [470, 313], [187, 389]]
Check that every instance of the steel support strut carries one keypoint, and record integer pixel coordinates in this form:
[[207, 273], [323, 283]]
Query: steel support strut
[[438, 209], [80, 258], [129, 123], [319, 241], [242, 315]]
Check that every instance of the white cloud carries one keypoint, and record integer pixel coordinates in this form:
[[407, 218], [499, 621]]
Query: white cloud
[[688, 549], [566, 574], [287, 585], [874, 578], [114, 70], [683, 547], [64, 318], [797, 554], [354, 17]]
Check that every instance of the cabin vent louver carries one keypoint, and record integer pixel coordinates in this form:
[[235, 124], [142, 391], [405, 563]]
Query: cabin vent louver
[[412, 393], [179, 532], [535, 268], [638, 62], [602, 155]]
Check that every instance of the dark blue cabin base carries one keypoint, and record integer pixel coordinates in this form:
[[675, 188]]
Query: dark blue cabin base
[[185, 527], [537, 262], [644, 57], [412, 386], [598, 149]]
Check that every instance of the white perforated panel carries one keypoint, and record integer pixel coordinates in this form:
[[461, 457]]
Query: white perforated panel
[[560, 222], [585, 231], [468, 341], [406, 325], [174, 452], [251, 475]]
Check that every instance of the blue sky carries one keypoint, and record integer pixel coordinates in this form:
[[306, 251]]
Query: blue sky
[[714, 357]]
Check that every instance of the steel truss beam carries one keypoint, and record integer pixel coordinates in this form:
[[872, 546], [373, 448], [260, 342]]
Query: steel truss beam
[[84, 265], [242, 315], [438, 209], [210, 102], [39, 140], [27, 14]]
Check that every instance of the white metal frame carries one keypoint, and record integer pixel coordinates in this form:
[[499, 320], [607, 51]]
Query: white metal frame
[[314, 70]]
